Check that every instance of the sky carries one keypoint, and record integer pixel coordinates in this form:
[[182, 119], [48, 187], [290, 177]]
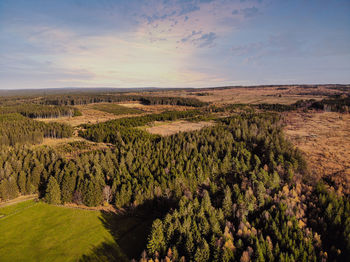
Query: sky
[[179, 43]]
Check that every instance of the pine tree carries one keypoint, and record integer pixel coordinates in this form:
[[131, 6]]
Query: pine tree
[[203, 252], [53, 192], [67, 188], [22, 182], [227, 202], [12, 188], [156, 242], [92, 194], [4, 194]]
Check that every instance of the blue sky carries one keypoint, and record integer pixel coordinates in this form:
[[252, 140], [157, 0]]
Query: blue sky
[[181, 43]]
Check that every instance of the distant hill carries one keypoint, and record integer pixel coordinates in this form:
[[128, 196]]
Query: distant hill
[[89, 90], [69, 90]]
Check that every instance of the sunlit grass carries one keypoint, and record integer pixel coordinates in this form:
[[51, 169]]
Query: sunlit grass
[[32, 231]]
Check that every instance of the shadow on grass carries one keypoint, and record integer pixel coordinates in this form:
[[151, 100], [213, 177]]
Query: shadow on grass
[[129, 231]]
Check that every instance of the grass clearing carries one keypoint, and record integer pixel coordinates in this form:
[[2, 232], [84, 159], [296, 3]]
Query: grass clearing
[[12, 209], [73, 146], [89, 116], [36, 231], [170, 128], [116, 109], [40, 232]]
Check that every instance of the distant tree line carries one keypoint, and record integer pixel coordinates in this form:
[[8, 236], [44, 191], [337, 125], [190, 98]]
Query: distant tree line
[[98, 98], [336, 104], [333, 104], [40, 111]]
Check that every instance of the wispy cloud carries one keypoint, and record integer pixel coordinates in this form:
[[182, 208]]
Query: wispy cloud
[[206, 40], [250, 11], [161, 43]]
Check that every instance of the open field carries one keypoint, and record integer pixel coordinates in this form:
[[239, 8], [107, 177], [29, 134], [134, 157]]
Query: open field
[[102, 112], [116, 109], [72, 146], [31, 231], [325, 139], [18, 200], [39, 232], [89, 116], [253, 95], [170, 128], [155, 108]]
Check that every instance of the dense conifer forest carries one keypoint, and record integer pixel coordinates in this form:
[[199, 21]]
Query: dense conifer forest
[[235, 191], [98, 98], [17, 129], [40, 111]]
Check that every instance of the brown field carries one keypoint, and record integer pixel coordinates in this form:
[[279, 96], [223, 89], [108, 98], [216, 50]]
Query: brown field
[[253, 95], [155, 109], [170, 128], [93, 116], [325, 140], [58, 141], [66, 145], [89, 116]]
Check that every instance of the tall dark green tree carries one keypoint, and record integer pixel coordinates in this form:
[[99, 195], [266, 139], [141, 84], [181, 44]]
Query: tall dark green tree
[[227, 202], [156, 242], [67, 188], [53, 192]]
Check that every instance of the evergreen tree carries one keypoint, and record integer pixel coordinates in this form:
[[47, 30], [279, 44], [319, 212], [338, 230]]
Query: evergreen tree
[[203, 252], [67, 188], [92, 194], [53, 192], [156, 241], [22, 179], [227, 202]]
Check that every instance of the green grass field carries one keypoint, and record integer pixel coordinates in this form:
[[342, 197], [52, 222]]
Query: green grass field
[[39, 232], [31, 231], [116, 109]]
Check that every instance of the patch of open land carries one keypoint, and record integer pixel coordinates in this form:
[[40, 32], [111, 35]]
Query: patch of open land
[[31, 232], [253, 95], [73, 146], [170, 128], [325, 139], [36, 231], [91, 114], [155, 109]]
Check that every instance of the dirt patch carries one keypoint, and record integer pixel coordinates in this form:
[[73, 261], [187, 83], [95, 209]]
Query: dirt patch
[[18, 200], [53, 142], [73, 146], [166, 129], [89, 116], [107, 208], [325, 139], [155, 109], [132, 105]]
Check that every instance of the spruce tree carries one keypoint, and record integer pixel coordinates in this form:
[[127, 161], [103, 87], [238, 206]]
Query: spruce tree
[[53, 192], [22, 178], [68, 186], [227, 202], [156, 242]]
